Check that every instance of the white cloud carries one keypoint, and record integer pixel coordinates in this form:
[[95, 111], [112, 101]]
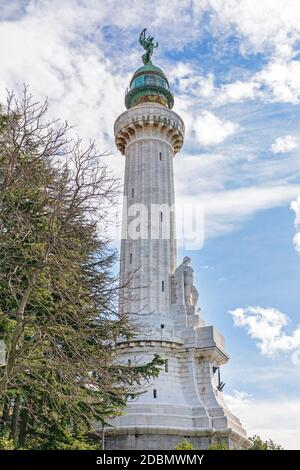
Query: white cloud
[[296, 241], [282, 78], [196, 85], [260, 374], [61, 50], [266, 325], [225, 210], [262, 417], [237, 400], [262, 24], [199, 88], [244, 201], [284, 144], [267, 26], [211, 130], [53, 48], [295, 206], [278, 82], [238, 91], [71, 51], [205, 172]]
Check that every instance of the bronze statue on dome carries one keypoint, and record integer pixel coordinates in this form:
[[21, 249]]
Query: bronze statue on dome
[[147, 43]]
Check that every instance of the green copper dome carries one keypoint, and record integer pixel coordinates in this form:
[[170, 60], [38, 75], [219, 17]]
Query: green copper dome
[[149, 84], [151, 69]]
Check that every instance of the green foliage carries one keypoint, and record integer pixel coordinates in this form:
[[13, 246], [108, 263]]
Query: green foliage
[[59, 314], [6, 443], [218, 446], [259, 444], [185, 444], [62, 439], [7, 326]]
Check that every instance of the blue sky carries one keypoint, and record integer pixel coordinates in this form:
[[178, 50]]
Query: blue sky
[[234, 66]]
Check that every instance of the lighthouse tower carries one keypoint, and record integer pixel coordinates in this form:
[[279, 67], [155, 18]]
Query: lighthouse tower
[[185, 401]]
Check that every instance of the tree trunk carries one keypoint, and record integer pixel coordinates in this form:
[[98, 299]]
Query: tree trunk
[[5, 412], [15, 418], [23, 427]]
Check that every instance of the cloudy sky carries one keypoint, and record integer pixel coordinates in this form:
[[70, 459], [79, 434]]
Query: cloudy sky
[[234, 66]]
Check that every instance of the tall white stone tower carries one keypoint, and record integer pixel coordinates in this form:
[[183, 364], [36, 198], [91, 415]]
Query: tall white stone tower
[[186, 399]]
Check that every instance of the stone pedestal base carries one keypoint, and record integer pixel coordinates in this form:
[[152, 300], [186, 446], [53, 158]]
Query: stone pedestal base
[[168, 438], [183, 401]]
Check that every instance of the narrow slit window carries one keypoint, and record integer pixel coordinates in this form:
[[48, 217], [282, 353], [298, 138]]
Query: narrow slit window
[[160, 156], [163, 286], [132, 192], [161, 216], [167, 366], [130, 258], [155, 393]]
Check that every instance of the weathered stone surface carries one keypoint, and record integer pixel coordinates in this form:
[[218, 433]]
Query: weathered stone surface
[[184, 400]]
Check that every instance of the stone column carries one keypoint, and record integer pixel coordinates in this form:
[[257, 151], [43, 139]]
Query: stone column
[[148, 136]]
